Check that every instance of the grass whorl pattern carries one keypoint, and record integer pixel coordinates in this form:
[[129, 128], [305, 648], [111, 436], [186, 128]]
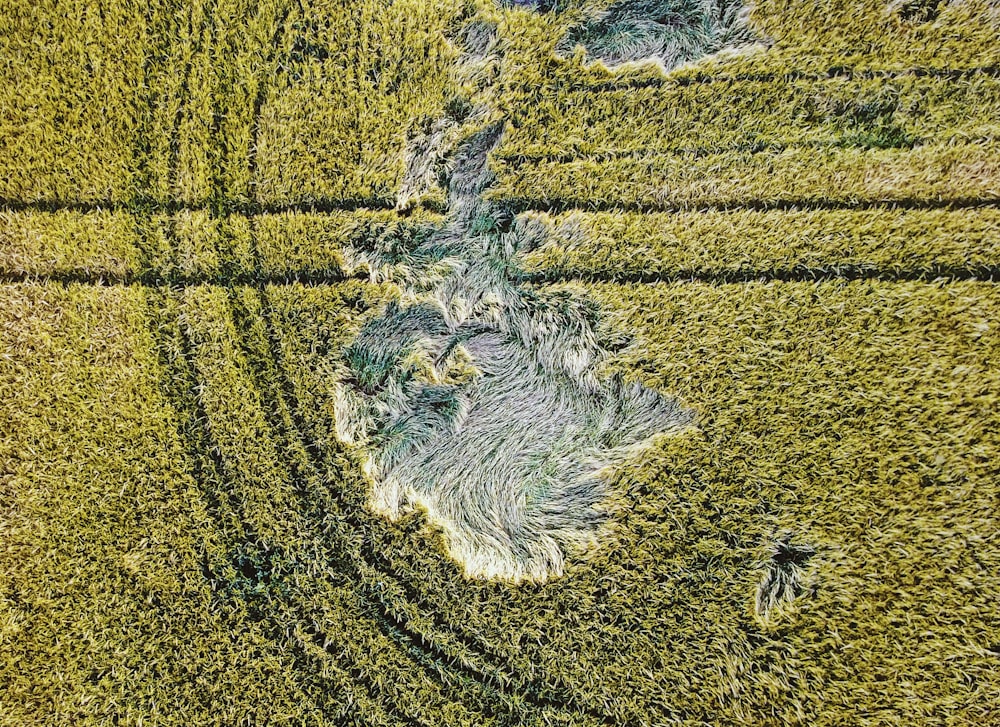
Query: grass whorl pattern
[[480, 400]]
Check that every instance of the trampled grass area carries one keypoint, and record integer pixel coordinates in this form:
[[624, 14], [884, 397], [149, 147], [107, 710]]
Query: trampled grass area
[[800, 243]]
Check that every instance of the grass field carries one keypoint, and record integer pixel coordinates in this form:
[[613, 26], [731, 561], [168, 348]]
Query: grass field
[[202, 207]]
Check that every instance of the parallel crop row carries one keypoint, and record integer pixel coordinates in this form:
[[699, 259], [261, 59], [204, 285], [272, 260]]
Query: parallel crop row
[[217, 101], [108, 604], [959, 173], [802, 38], [873, 113], [196, 244], [310, 559], [208, 111], [717, 244]]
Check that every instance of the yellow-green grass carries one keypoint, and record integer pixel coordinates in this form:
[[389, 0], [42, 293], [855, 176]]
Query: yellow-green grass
[[186, 542], [170, 553], [858, 418], [333, 126], [106, 611], [70, 242], [73, 97], [230, 55], [292, 506], [717, 244], [798, 38], [861, 112], [196, 244], [877, 34], [823, 409], [937, 174], [220, 102]]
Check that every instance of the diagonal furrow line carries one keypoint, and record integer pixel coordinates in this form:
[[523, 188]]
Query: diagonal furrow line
[[282, 418], [216, 470], [423, 648]]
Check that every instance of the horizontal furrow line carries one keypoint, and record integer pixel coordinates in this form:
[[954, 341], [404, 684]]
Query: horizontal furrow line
[[841, 72], [308, 278], [990, 273], [796, 274], [220, 209], [517, 205]]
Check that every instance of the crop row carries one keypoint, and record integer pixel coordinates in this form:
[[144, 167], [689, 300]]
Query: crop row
[[717, 244], [960, 173], [303, 499], [878, 113], [109, 531], [217, 101], [195, 244], [801, 38]]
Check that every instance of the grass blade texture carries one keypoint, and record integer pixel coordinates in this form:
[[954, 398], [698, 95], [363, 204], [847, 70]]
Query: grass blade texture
[[499, 363]]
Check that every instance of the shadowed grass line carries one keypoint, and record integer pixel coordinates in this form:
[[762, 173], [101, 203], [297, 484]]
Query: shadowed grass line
[[207, 24], [268, 376], [518, 160], [204, 442], [834, 72], [225, 208], [517, 205], [796, 274], [318, 278], [499, 674], [308, 278], [261, 97]]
